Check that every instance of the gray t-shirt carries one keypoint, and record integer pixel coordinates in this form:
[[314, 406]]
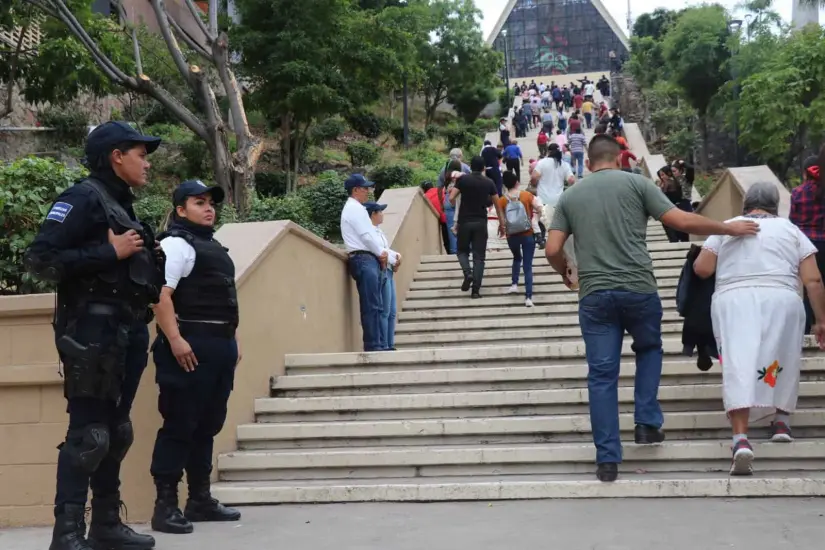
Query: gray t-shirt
[[607, 212]]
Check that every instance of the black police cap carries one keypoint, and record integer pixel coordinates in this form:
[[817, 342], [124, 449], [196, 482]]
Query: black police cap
[[193, 188], [107, 135]]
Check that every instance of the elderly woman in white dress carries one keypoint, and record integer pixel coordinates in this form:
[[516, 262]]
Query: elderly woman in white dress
[[759, 319]]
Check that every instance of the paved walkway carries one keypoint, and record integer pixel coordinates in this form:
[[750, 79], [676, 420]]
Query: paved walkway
[[675, 524]]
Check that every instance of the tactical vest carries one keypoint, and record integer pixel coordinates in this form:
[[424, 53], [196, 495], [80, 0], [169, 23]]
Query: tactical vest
[[208, 293], [136, 280]]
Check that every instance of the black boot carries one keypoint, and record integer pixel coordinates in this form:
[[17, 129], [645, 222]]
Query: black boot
[[202, 507], [107, 532], [70, 529], [167, 517]]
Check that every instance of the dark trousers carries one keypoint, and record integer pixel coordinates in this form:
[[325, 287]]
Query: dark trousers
[[73, 482], [472, 233], [366, 271], [673, 235], [193, 406], [523, 248], [515, 166], [588, 119], [820, 261], [495, 175]]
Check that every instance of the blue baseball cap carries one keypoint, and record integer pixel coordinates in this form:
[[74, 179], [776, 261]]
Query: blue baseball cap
[[193, 188], [103, 138], [357, 180], [373, 207]]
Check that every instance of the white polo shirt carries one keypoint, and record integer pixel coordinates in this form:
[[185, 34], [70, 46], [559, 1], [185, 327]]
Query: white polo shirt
[[391, 254], [357, 230]]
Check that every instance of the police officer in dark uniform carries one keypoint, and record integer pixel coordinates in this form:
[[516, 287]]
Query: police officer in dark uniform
[[107, 273], [195, 353]]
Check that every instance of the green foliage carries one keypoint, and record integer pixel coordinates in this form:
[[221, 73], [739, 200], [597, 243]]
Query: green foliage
[[431, 160], [417, 137], [270, 184], [28, 187], [154, 209], [421, 175], [176, 134], [326, 198], [363, 153], [703, 183], [680, 143], [197, 159], [655, 24], [462, 136], [327, 130], [646, 64], [392, 175], [290, 207], [71, 125], [366, 123], [468, 101], [485, 125], [432, 131], [505, 101]]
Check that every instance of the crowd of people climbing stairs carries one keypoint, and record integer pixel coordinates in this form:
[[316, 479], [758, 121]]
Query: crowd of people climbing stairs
[[744, 281]]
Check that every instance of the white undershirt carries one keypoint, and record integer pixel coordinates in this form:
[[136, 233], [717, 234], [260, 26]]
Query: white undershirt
[[392, 254], [180, 259]]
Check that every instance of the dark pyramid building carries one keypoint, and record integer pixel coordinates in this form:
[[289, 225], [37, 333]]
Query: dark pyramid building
[[548, 37]]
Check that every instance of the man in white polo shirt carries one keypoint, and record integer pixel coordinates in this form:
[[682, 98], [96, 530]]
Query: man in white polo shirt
[[367, 258]]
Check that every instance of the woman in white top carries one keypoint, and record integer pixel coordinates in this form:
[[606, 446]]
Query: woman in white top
[[758, 317], [387, 324]]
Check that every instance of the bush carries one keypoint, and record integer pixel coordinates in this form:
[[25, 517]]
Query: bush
[[270, 184], [504, 103], [154, 209], [290, 207], [176, 134], [392, 175], [421, 175], [197, 160], [461, 136], [428, 158], [70, 125], [432, 131], [28, 187], [417, 137], [363, 153], [327, 130], [326, 198], [366, 123], [483, 126], [469, 101]]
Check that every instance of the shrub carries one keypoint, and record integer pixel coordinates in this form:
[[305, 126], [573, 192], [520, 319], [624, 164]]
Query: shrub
[[28, 187], [461, 136], [176, 134], [363, 153], [421, 175], [154, 209], [197, 160], [327, 130], [270, 184], [469, 101], [504, 103], [366, 123], [428, 158], [417, 137], [326, 198], [290, 207], [70, 125], [392, 175], [483, 126], [432, 131]]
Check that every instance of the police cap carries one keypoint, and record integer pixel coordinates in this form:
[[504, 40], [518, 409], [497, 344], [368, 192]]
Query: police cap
[[373, 207], [193, 188], [107, 135]]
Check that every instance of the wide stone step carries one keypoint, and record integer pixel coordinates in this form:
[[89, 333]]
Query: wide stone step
[[674, 372], [485, 460], [563, 301], [540, 319], [664, 277], [681, 425], [446, 357], [491, 403], [515, 335], [448, 270], [630, 485]]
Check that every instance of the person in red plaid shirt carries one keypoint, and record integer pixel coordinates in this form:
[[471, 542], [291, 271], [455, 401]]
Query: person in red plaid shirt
[[808, 214]]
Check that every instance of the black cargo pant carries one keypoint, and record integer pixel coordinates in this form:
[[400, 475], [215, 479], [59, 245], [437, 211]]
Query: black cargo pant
[[193, 405], [72, 481], [472, 234]]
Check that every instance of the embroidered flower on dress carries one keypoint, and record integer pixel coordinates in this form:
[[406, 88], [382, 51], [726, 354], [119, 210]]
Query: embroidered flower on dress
[[769, 374]]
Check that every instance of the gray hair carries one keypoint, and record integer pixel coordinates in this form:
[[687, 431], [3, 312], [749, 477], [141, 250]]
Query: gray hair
[[762, 195]]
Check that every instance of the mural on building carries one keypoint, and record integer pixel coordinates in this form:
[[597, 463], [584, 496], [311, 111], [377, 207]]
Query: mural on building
[[548, 37]]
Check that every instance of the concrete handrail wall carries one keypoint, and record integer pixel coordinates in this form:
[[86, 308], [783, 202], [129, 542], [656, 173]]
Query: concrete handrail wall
[[295, 295]]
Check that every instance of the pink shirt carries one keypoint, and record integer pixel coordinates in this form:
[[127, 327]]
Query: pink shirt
[[561, 140]]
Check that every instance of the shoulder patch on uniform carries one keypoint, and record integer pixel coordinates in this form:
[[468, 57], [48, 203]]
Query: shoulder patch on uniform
[[59, 212]]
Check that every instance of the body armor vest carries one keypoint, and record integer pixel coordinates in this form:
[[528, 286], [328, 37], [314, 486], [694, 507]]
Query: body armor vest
[[208, 293]]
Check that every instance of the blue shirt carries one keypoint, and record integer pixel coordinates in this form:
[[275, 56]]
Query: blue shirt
[[512, 152]]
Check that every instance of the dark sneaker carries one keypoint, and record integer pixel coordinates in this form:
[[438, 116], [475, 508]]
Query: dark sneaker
[[742, 463], [781, 432], [475, 295], [704, 362], [468, 282], [648, 435], [607, 471]]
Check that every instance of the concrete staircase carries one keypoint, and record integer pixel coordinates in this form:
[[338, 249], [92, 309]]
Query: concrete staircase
[[487, 399]]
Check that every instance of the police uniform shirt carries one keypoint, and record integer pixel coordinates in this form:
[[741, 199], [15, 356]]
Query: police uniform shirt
[[180, 259], [357, 229]]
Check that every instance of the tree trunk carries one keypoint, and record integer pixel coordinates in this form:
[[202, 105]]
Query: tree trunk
[[703, 128], [286, 152]]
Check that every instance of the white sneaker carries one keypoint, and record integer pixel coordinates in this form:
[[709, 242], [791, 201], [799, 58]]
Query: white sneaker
[[513, 289], [528, 302]]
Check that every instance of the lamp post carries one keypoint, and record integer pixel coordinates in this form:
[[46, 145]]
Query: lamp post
[[734, 26], [406, 139], [506, 67]]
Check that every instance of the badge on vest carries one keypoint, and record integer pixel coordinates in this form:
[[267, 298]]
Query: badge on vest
[[59, 212]]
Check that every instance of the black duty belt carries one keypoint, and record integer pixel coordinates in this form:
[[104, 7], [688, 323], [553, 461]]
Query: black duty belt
[[362, 253], [197, 328], [122, 312]]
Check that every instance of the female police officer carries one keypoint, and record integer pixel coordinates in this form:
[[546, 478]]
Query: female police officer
[[195, 354]]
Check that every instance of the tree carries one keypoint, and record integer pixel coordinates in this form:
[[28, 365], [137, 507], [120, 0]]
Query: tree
[[312, 59], [655, 24], [234, 172], [455, 54], [696, 51], [778, 131], [469, 101]]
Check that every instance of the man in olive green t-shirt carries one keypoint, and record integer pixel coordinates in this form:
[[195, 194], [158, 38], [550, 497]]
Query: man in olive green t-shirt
[[607, 212]]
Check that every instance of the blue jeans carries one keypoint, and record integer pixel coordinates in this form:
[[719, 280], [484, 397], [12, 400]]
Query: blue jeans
[[523, 248], [366, 271], [388, 311], [578, 162], [449, 212], [604, 317]]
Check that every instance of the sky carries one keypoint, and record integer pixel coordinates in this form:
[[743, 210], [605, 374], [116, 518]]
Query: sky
[[491, 9]]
